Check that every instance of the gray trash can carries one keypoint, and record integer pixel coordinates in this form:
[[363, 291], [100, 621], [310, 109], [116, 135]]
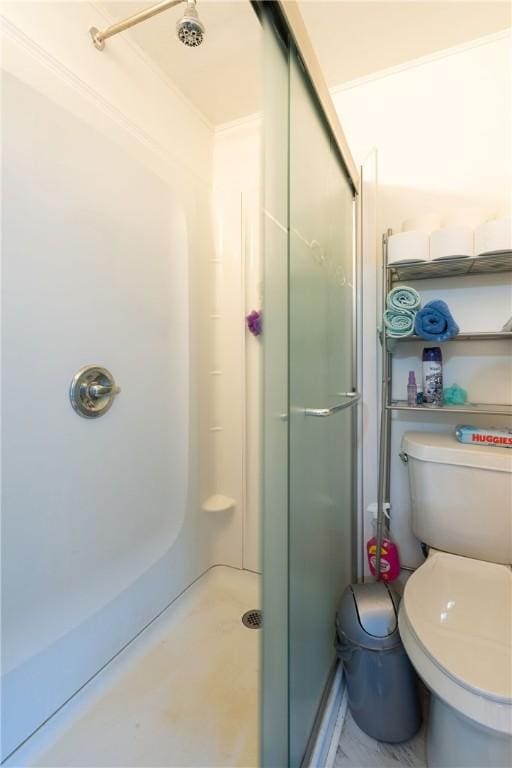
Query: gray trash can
[[381, 682]]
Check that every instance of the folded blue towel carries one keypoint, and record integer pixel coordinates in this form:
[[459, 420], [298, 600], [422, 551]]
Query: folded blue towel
[[399, 322], [403, 297], [435, 322]]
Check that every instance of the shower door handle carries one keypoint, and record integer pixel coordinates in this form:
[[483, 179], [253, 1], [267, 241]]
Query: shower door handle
[[353, 398]]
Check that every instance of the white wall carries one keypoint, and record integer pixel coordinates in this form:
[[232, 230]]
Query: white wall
[[368, 368], [442, 128], [107, 246]]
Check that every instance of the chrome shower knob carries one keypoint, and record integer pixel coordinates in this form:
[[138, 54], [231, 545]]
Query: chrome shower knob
[[92, 391]]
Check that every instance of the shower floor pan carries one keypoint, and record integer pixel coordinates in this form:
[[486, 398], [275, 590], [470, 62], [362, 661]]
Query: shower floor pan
[[183, 693]]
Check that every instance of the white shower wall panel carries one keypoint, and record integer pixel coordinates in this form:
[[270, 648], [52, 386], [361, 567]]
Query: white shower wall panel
[[237, 176], [104, 237], [89, 274]]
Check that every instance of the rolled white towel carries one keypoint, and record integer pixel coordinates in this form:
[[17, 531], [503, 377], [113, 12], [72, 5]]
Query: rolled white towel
[[451, 242], [494, 236], [408, 246]]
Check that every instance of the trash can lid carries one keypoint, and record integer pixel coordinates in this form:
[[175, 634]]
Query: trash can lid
[[368, 616]]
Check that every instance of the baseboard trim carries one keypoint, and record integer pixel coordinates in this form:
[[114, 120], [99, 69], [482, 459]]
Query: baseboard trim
[[324, 749]]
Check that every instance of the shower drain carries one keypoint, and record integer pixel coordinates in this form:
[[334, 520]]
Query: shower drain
[[252, 619]]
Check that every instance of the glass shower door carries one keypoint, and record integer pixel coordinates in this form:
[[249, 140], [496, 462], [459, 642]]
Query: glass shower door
[[308, 413], [321, 386]]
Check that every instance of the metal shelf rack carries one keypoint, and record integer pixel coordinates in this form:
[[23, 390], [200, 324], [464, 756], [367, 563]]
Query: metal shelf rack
[[492, 263], [473, 336], [485, 408]]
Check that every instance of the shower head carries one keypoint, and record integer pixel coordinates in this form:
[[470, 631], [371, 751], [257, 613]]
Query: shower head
[[189, 29]]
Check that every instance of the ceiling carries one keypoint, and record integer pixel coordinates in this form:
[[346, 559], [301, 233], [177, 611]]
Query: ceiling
[[352, 39]]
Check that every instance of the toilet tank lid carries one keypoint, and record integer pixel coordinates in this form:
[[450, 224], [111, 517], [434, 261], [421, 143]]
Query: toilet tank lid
[[444, 448]]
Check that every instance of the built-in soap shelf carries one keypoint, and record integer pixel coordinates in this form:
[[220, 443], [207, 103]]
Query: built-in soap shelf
[[218, 503]]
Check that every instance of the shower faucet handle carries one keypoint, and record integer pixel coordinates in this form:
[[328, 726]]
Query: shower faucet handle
[[99, 390], [92, 391]]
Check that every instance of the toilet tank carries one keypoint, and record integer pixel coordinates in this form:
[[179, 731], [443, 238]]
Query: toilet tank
[[461, 495]]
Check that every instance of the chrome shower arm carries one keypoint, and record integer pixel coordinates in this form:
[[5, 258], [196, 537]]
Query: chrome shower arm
[[99, 36]]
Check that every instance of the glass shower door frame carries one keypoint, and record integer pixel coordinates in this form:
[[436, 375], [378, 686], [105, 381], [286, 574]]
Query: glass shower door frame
[[322, 399], [276, 633]]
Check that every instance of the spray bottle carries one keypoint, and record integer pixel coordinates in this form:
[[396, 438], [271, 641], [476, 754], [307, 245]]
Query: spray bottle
[[432, 377], [412, 390], [389, 559]]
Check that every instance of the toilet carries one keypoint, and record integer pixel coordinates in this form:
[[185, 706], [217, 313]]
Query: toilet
[[455, 618]]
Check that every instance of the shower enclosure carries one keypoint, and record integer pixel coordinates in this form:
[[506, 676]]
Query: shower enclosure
[[310, 393], [137, 234]]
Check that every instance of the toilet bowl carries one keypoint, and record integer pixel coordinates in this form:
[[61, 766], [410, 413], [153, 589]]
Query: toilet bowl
[[455, 618], [455, 622]]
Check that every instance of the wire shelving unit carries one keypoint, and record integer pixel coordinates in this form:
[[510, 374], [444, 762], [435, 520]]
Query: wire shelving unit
[[488, 264]]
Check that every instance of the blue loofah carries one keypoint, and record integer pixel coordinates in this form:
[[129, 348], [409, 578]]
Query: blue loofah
[[454, 395]]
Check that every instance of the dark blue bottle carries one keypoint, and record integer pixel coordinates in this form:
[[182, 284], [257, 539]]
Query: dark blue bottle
[[432, 376]]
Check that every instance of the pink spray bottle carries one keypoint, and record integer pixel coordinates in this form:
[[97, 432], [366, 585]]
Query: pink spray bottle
[[389, 559]]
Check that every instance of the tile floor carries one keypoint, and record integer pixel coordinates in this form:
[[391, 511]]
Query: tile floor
[[357, 750], [184, 693]]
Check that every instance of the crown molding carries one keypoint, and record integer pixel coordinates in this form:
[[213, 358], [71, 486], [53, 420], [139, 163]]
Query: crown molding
[[423, 60], [39, 54], [255, 120]]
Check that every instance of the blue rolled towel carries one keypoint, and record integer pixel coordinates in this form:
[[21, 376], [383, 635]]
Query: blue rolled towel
[[435, 322], [403, 297], [399, 323]]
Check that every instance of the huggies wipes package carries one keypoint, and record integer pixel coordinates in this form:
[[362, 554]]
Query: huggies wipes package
[[498, 436]]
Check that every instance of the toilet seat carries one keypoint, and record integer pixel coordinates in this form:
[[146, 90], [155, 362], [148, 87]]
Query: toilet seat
[[455, 621]]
